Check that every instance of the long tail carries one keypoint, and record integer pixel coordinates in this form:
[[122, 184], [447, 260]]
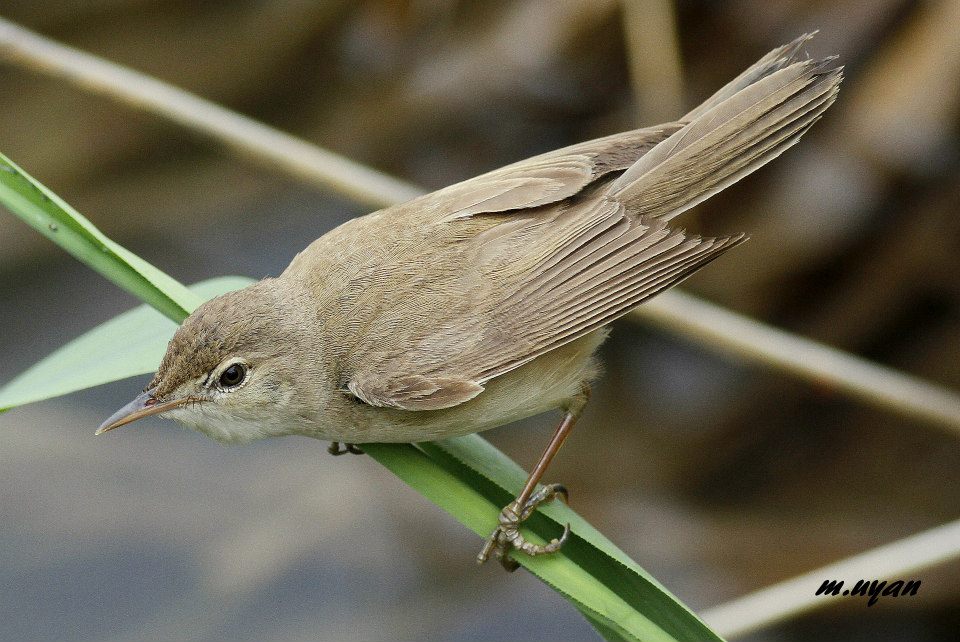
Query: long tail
[[781, 57], [745, 125]]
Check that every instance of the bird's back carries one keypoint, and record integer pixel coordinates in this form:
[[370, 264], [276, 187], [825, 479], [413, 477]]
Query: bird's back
[[427, 302]]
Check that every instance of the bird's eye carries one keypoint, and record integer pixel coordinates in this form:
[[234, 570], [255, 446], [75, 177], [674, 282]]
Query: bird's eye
[[233, 376]]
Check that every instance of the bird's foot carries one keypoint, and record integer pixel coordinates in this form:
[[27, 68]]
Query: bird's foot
[[336, 450], [507, 535]]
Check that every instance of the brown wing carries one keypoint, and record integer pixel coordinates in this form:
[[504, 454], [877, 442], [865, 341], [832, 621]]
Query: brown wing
[[534, 283], [514, 285]]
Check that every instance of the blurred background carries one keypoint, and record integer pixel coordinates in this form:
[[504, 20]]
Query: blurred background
[[717, 476]]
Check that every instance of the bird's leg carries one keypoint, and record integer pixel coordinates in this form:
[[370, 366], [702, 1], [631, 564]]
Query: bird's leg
[[336, 450], [507, 534]]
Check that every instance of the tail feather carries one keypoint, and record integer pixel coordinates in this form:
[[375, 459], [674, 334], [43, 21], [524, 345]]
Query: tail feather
[[780, 58], [728, 141]]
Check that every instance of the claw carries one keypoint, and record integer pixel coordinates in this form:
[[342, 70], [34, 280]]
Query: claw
[[507, 535], [336, 450], [508, 563], [488, 547]]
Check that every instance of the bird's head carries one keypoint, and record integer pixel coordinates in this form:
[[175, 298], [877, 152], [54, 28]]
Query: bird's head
[[229, 369]]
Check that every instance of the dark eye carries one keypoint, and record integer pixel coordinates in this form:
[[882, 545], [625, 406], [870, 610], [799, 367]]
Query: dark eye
[[233, 376]]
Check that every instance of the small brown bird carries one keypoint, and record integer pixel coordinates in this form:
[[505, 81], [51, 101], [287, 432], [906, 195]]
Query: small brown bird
[[482, 303]]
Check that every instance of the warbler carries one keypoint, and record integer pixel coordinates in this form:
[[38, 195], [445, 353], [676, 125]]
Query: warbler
[[484, 302]]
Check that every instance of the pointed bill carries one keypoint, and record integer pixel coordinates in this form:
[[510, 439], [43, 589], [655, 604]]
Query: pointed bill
[[143, 406]]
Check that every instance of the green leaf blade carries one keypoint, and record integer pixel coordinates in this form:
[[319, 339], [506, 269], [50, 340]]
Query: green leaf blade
[[50, 215], [499, 478], [477, 513]]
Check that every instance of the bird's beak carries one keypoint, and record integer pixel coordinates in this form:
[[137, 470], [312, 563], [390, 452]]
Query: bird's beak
[[143, 406]]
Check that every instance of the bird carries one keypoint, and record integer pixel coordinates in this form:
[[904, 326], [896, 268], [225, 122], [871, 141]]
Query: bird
[[484, 302]]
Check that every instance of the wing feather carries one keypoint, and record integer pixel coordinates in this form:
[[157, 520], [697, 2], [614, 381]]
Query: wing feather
[[544, 179], [537, 254]]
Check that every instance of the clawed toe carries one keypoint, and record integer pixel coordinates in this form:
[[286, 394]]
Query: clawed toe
[[545, 494], [507, 535], [336, 450]]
